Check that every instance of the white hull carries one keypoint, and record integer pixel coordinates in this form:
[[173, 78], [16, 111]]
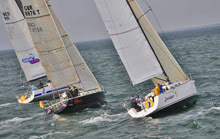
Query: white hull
[[43, 94], [166, 99]]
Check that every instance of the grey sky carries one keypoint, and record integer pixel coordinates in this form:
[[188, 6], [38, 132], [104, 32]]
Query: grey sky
[[83, 22]]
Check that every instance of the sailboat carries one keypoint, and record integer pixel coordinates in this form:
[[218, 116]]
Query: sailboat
[[145, 57], [62, 63]]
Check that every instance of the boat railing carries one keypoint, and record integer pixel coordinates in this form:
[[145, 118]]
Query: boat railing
[[126, 106]]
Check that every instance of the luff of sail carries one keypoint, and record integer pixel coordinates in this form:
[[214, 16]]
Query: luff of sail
[[169, 64], [22, 42], [86, 77], [129, 41], [49, 44]]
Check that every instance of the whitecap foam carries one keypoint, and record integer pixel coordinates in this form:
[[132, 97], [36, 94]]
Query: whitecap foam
[[215, 108], [103, 118], [6, 104], [48, 135], [14, 120]]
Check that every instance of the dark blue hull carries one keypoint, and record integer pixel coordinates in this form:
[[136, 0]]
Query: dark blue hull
[[79, 103]]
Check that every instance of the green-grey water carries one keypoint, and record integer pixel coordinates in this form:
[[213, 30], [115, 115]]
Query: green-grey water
[[196, 50]]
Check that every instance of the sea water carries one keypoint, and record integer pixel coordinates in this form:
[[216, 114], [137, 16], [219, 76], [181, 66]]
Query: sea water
[[197, 51]]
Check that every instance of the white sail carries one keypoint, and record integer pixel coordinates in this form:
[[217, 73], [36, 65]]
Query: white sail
[[49, 44], [86, 77], [129, 40], [169, 64], [21, 40]]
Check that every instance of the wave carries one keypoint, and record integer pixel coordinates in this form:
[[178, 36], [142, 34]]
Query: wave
[[48, 135], [103, 118], [6, 104], [16, 120], [215, 108]]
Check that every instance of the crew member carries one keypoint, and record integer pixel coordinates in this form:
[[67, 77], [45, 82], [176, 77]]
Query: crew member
[[40, 85], [71, 92], [76, 91]]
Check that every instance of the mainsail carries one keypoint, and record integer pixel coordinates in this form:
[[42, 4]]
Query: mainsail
[[86, 77], [129, 40], [50, 46], [21, 40], [128, 27]]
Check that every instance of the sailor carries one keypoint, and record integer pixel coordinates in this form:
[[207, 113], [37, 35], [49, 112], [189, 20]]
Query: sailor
[[33, 88], [161, 90], [40, 85], [76, 91], [134, 103], [71, 92], [48, 82]]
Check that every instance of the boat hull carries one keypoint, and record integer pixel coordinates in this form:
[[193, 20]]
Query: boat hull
[[44, 94], [79, 103], [169, 101], [186, 103]]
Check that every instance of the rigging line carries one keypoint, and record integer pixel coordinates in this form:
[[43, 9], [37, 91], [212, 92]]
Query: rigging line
[[121, 46], [138, 22], [156, 19], [145, 13]]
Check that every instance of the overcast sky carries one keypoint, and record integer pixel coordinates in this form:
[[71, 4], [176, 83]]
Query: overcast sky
[[83, 22]]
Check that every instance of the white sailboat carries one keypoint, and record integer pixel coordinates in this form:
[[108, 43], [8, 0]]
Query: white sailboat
[[60, 59], [20, 37], [145, 57]]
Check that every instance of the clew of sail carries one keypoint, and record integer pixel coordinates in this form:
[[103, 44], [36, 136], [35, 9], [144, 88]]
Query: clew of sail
[[169, 64], [86, 77], [22, 42], [49, 44], [131, 44]]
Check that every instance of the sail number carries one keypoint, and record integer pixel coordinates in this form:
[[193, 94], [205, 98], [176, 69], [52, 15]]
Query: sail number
[[34, 28], [6, 15], [29, 11]]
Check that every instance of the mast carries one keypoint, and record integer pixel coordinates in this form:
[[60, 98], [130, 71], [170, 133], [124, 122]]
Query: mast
[[128, 2]]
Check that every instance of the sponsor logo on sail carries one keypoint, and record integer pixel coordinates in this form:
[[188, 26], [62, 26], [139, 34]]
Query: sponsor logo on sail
[[31, 59]]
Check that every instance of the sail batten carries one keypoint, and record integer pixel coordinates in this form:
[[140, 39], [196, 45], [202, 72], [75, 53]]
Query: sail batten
[[22, 42], [129, 40]]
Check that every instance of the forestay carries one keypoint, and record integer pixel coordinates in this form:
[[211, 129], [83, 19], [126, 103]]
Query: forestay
[[21, 40], [86, 77], [169, 64], [49, 44], [129, 41]]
